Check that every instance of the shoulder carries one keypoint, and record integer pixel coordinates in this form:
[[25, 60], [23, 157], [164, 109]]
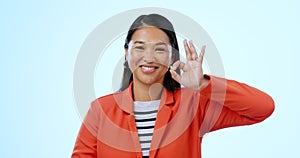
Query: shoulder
[[107, 100], [185, 91], [186, 94]]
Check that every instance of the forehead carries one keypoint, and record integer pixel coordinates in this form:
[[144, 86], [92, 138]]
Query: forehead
[[150, 34]]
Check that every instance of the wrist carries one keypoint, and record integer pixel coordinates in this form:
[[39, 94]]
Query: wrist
[[204, 83]]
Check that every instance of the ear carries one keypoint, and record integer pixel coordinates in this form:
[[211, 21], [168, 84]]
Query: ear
[[126, 53], [172, 58]]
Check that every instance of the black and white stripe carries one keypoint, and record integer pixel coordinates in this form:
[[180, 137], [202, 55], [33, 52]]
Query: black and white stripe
[[145, 117]]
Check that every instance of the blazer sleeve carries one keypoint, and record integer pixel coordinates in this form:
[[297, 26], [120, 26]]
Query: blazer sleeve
[[86, 142], [227, 103]]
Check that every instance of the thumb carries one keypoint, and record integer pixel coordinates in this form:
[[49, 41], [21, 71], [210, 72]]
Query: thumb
[[175, 76], [178, 65]]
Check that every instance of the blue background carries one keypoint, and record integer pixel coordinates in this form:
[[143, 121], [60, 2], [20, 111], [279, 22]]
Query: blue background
[[257, 40]]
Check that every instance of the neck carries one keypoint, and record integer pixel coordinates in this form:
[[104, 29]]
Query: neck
[[142, 92]]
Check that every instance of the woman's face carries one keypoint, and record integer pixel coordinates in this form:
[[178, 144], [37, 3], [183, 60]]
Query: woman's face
[[149, 55]]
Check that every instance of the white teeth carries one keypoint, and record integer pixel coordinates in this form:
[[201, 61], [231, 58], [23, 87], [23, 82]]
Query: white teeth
[[147, 68]]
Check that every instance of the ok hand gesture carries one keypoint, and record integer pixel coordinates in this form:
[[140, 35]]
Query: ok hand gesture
[[192, 73]]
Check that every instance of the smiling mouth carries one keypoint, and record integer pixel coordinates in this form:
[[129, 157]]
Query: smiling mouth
[[148, 69]]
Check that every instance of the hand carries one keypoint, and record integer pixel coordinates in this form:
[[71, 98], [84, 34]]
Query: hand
[[192, 73]]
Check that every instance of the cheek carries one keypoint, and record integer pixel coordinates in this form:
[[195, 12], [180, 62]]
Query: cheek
[[165, 70], [165, 60], [133, 61]]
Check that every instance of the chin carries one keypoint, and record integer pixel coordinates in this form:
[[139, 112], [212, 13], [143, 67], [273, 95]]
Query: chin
[[148, 81]]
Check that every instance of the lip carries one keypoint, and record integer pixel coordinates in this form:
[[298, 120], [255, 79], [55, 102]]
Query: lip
[[148, 68]]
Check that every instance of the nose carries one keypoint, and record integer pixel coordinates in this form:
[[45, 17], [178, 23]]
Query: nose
[[148, 56]]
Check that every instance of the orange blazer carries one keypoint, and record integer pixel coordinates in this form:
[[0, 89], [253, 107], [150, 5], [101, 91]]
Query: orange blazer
[[184, 116]]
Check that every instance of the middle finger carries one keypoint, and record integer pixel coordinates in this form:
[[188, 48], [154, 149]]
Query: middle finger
[[187, 50], [193, 50]]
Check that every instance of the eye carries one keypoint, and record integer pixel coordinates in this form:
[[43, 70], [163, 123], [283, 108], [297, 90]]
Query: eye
[[161, 49], [139, 47]]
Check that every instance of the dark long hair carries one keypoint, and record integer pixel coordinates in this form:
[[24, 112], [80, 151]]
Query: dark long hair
[[166, 26]]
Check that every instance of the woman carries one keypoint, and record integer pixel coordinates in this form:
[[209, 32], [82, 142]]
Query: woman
[[160, 112]]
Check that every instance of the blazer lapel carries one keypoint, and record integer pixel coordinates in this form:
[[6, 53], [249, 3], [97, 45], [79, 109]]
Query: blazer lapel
[[124, 100], [163, 116]]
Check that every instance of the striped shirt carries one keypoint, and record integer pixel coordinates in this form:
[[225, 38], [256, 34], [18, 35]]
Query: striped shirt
[[145, 116]]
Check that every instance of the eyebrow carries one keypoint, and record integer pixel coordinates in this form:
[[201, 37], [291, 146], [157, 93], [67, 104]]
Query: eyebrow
[[139, 42], [142, 42]]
